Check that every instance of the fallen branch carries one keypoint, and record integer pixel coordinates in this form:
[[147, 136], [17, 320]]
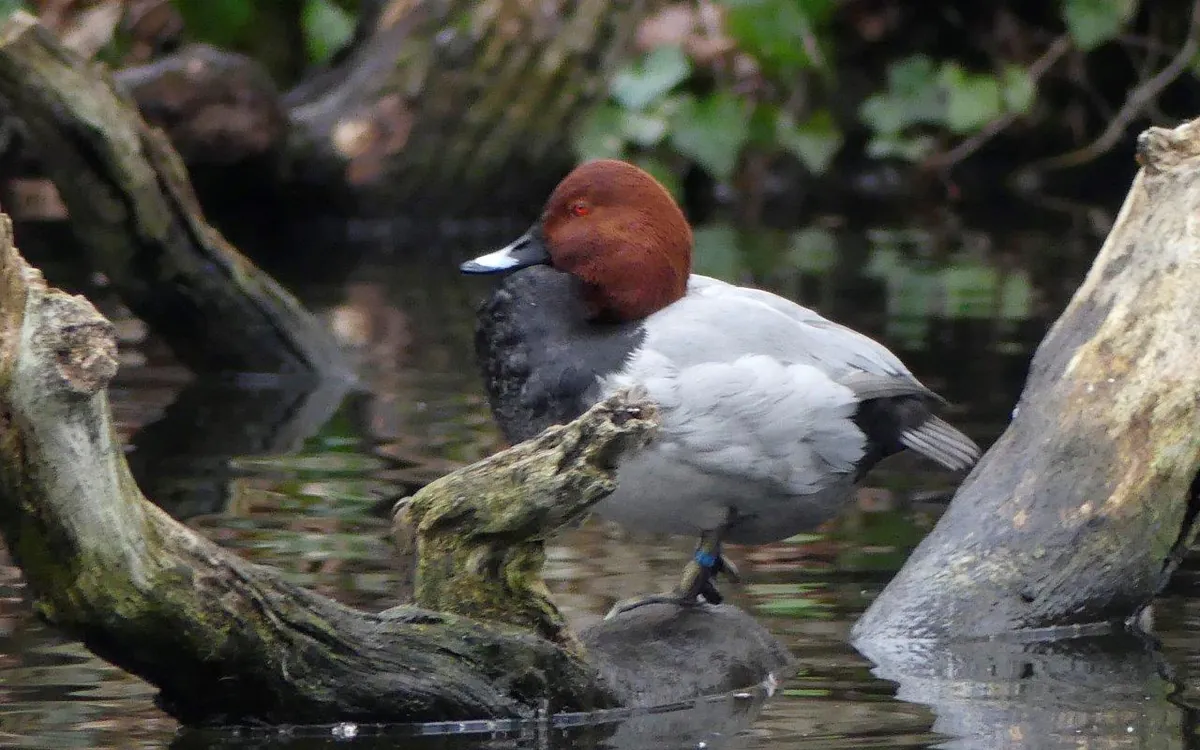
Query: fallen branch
[[135, 217], [229, 641], [1080, 511]]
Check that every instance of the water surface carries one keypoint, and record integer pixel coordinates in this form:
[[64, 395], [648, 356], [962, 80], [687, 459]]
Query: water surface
[[301, 481]]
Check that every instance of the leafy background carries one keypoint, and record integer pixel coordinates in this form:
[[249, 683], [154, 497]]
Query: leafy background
[[731, 87]]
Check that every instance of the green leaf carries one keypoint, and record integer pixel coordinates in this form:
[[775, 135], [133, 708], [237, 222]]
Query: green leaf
[[712, 132], [913, 77], [638, 85], [327, 28], [880, 113], [223, 23], [780, 34], [892, 146], [1019, 89], [913, 96], [644, 129], [1094, 22], [815, 142], [599, 135], [972, 99], [8, 7]]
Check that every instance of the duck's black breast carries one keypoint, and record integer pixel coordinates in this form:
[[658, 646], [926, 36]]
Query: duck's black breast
[[540, 356]]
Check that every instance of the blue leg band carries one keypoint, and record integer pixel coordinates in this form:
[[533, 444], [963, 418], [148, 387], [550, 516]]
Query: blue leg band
[[706, 560]]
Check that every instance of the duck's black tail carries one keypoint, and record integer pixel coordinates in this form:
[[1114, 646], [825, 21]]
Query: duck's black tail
[[938, 441], [898, 413]]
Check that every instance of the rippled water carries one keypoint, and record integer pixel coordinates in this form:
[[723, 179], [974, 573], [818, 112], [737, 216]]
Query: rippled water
[[302, 481]]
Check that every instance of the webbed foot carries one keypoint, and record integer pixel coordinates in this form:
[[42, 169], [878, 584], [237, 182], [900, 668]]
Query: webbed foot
[[697, 582]]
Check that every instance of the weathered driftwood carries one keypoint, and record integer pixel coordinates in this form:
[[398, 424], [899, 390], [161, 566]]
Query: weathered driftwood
[[1078, 514], [227, 641], [136, 219]]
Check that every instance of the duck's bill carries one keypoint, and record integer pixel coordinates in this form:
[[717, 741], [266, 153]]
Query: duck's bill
[[526, 250]]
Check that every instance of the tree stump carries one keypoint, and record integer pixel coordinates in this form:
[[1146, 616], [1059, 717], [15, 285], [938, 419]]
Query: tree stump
[[1081, 510]]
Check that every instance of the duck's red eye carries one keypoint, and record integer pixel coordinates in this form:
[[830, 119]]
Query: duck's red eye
[[579, 208]]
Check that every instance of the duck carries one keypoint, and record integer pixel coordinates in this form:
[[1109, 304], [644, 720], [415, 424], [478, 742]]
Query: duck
[[770, 414]]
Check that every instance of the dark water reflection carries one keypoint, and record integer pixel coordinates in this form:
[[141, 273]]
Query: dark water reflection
[[301, 479]]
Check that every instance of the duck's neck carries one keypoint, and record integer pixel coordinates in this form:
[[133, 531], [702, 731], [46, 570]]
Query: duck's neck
[[631, 299]]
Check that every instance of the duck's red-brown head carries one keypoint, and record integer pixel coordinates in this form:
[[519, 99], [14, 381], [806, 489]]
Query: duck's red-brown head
[[616, 229]]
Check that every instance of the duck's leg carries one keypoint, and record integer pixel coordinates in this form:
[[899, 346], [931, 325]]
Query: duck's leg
[[698, 579], [700, 574]]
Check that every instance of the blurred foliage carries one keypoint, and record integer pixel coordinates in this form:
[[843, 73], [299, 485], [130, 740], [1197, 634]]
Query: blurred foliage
[[265, 29], [732, 89], [724, 81], [656, 111], [327, 27], [1094, 22], [11, 6], [943, 95]]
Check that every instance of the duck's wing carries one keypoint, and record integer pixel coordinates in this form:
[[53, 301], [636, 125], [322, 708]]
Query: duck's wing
[[754, 419], [808, 335], [772, 366]]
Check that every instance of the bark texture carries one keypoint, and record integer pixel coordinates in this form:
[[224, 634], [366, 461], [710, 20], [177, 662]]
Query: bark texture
[[137, 221], [458, 104], [1080, 511], [229, 641]]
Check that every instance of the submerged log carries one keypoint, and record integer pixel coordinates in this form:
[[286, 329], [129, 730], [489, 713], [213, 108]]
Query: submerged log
[[1082, 509], [135, 217], [229, 641]]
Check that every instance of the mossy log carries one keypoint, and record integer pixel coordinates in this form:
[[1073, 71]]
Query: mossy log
[[137, 221], [229, 641], [1081, 510]]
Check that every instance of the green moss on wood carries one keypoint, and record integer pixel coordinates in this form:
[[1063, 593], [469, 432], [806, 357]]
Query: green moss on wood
[[481, 531]]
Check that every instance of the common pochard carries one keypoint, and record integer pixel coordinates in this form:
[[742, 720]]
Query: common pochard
[[770, 413]]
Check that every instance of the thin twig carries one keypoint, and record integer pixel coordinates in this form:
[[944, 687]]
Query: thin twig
[[1040, 66], [1135, 103]]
